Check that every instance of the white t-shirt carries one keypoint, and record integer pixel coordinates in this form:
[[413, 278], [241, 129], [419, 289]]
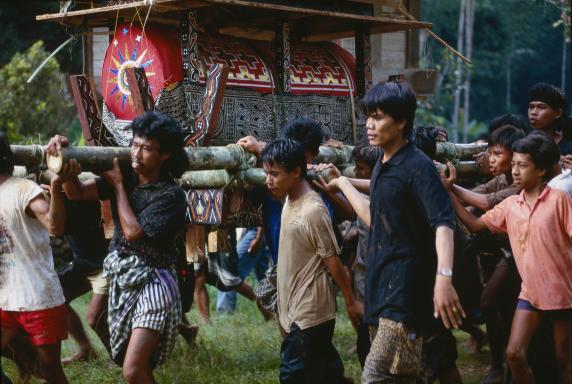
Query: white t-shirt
[[28, 281], [563, 182]]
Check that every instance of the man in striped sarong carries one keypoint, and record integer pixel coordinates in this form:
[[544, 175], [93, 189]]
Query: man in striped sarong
[[149, 214]]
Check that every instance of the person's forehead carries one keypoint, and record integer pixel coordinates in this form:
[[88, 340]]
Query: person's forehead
[[521, 156], [142, 140], [499, 148], [274, 167], [538, 104]]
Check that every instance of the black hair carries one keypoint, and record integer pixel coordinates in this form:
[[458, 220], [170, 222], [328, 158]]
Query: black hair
[[483, 136], [369, 154], [286, 153], [436, 131], [424, 139], [549, 94], [542, 149], [168, 133], [306, 132], [395, 99], [506, 136], [516, 120], [6, 155]]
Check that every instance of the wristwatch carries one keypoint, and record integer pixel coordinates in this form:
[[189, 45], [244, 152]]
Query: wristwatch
[[447, 272]]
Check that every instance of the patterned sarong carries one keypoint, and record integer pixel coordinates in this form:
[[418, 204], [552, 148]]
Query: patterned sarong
[[141, 296], [266, 291]]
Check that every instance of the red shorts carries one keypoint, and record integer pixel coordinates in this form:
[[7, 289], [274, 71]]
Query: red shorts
[[46, 326]]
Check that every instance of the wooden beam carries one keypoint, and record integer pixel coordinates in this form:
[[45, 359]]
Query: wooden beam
[[158, 6], [290, 9], [102, 15]]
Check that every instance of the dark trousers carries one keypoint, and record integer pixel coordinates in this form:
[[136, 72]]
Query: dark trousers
[[308, 356], [363, 343]]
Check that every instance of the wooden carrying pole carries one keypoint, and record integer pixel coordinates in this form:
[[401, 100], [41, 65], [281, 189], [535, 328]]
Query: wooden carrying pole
[[231, 157]]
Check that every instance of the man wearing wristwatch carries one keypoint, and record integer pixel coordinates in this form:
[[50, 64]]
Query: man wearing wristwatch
[[411, 219]]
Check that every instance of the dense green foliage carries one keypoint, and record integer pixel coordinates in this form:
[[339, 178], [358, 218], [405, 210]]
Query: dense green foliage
[[20, 30], [522, 38], [33, 111]]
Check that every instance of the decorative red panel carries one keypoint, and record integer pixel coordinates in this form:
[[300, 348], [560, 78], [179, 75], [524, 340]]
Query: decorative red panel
[[246, 68], [321, 69], [157, 51]]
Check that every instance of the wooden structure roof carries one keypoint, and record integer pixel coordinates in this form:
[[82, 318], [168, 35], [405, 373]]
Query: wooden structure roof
[[309, 20]]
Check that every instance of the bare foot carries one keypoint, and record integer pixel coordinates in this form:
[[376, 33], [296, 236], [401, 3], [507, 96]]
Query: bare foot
[[81, 355], [189, 333]]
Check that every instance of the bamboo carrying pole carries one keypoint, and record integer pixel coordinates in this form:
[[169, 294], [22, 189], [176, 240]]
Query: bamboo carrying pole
[[231, 157], [246, 179], [215, 167], [98, 159]]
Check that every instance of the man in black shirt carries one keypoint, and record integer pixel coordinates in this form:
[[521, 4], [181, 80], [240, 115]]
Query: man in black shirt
[[149, 214], [547, 112], [411, 219]]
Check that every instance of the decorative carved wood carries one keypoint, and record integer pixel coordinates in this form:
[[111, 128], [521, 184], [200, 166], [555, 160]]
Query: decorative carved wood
[[140, 90], [189, 48], [207, 119], [85, 98], [282, 50], [219, 206], [363, 60], [205, 206]]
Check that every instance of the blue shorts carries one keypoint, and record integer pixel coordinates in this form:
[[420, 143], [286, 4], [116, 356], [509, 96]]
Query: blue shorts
[[554, 314]]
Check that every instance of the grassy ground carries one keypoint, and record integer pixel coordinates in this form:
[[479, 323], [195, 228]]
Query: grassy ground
[[239, 348]]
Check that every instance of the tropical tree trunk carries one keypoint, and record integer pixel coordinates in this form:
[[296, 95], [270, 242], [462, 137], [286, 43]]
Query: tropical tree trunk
[[470, 14], [457, 98]]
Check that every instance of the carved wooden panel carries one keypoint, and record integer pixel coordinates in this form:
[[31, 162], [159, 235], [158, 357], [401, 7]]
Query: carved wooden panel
[[363, 60], [208, 116], [85, 98], [140, 91]]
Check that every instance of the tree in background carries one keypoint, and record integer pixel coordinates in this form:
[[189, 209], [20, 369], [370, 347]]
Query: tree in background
[[514, 46], [34, 111]]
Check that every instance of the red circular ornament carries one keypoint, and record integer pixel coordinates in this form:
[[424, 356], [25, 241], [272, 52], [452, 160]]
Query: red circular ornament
[[157, 51]]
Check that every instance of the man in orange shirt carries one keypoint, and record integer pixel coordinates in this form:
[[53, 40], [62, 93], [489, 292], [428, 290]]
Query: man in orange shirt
[[539, 225]]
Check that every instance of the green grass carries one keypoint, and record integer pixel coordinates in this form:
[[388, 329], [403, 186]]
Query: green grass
[[238, 348]]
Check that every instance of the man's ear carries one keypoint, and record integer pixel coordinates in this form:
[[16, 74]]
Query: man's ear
[[402, 124], [297, 172], [164, 156], [542, 172], [559, 113]]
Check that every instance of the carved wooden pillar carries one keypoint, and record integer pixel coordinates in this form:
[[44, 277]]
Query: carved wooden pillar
[[189, 48], [282, 50], [363, 60], [140, 90]]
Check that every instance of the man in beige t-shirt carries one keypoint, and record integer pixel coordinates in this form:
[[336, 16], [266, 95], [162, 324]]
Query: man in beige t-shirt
[[307, 261], [31, 298]]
